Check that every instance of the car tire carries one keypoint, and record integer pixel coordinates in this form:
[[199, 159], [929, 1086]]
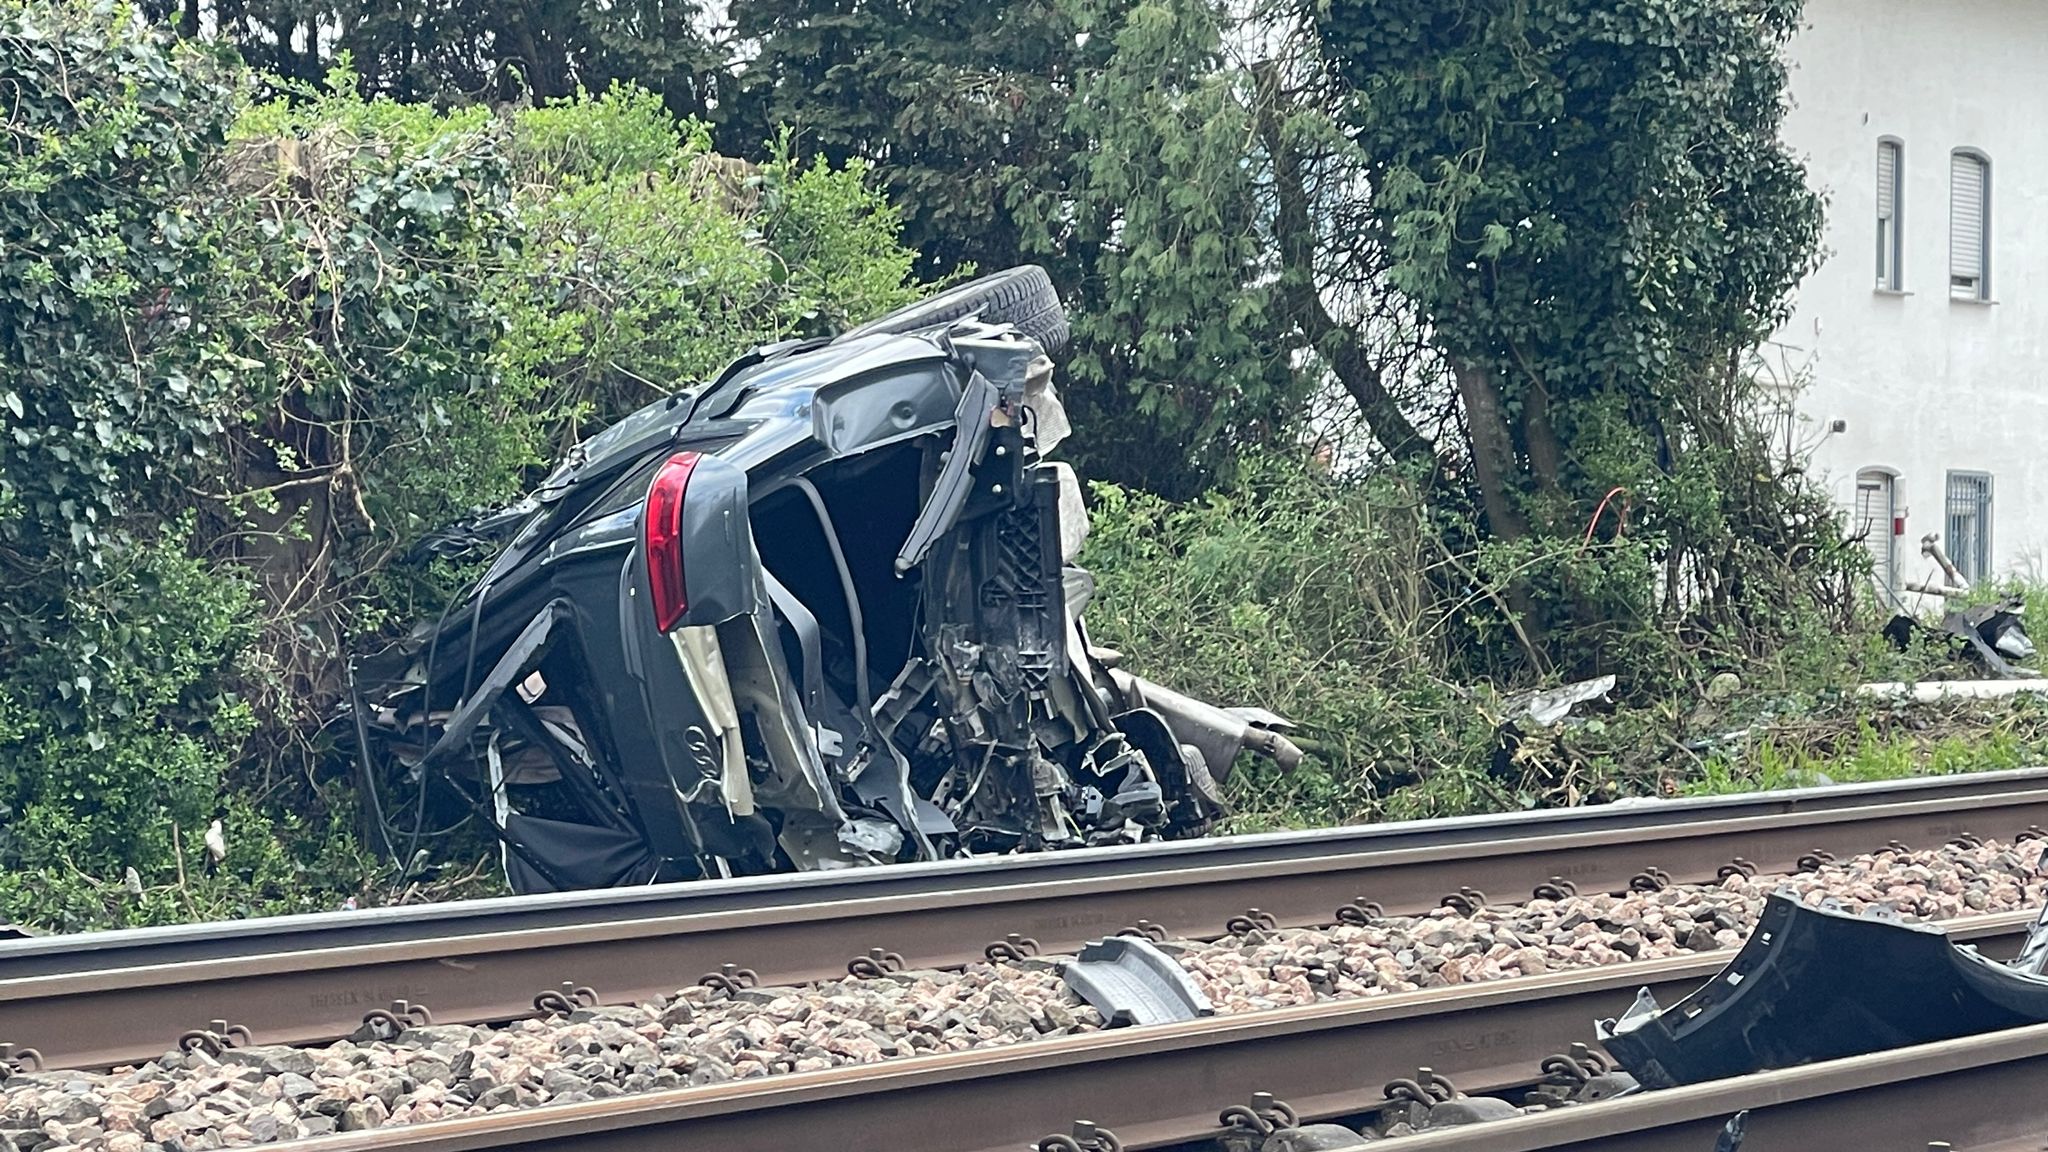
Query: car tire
[[1022, 297]]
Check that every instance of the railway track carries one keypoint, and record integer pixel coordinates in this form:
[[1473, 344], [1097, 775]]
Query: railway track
[[1164, 1086], [100, 999]]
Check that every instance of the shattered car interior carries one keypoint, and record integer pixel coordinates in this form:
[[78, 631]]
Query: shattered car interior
[[820, 612]]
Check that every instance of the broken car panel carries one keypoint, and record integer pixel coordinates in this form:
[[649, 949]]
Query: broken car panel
[[1821, 983], [820, 613]]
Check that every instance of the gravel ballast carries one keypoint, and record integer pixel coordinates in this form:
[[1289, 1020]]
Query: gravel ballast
[[1277, 968], [187, 1101]]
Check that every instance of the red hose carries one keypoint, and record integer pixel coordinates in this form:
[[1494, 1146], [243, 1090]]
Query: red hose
[[1595, 521]]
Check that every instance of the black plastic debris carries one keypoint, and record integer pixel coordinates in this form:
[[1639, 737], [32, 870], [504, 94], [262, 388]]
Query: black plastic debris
[[1130, 981], [1823, 984], [1993, 635]]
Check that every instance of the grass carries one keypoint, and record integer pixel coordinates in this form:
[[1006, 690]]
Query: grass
[[1932, 740], [1660, 751]]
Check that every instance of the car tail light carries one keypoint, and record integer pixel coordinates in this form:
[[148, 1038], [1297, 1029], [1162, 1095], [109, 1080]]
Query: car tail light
[[663, 523]]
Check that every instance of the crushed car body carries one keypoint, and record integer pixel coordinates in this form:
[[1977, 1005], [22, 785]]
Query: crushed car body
[[1822, 983], [819, 613]]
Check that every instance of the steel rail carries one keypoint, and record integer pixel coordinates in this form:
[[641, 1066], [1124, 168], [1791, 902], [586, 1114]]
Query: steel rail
[[209, 941], [1154, 1087], [106, 998], [1978, 1094]]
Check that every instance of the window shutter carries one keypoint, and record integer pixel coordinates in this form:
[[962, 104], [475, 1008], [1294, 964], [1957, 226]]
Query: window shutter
[[1966, 219], [1874, 522], [1887, 181]]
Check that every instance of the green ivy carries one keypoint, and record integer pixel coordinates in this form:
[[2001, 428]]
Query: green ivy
[[1592, 205], [116, 385], [249, 352]]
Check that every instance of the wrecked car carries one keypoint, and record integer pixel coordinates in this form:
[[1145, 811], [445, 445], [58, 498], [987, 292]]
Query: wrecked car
[[820, 612]]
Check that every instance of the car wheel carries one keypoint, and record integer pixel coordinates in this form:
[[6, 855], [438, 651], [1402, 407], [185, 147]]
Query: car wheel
[[1021, 297]]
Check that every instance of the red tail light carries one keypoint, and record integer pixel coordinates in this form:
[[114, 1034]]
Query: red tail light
[[663, 523]]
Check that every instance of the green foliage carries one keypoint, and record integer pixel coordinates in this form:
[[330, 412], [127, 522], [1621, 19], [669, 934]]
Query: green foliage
[[625, 130], [635, 285], [336, 105], [1305, 594], [362, 230], [1917, 740], [1316, 596], [468, 51], [1104, 139], [958, 104], [107, 392], [124, 719], [250, 353], [836, 237], [1594, 209], [1177, 355], [1605, 177], [652, 261], [115, 642]]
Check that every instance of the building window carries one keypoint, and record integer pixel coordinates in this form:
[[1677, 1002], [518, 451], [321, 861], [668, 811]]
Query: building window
[[1890, 197], [1969, 524], [1969, 228], [1876, 508]]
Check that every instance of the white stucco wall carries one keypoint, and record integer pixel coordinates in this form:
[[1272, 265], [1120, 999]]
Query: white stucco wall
[[1927, 384]]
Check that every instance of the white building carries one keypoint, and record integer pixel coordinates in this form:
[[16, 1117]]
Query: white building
[[1923, 339]]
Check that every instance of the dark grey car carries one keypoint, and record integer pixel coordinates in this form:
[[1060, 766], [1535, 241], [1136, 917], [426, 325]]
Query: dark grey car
[[818, 613]]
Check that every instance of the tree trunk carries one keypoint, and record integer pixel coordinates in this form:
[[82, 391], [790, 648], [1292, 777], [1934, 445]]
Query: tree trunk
[[1494, 469], [1493, 450], [1546, 459], [1338, 345]]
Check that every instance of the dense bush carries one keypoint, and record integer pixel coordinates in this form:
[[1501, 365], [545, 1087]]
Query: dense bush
[[249, 351], [1300, 593], [115, 385], [1321, 597]]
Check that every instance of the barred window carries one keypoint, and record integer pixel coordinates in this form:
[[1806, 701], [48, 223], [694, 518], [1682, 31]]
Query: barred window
[[1969, 524]]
